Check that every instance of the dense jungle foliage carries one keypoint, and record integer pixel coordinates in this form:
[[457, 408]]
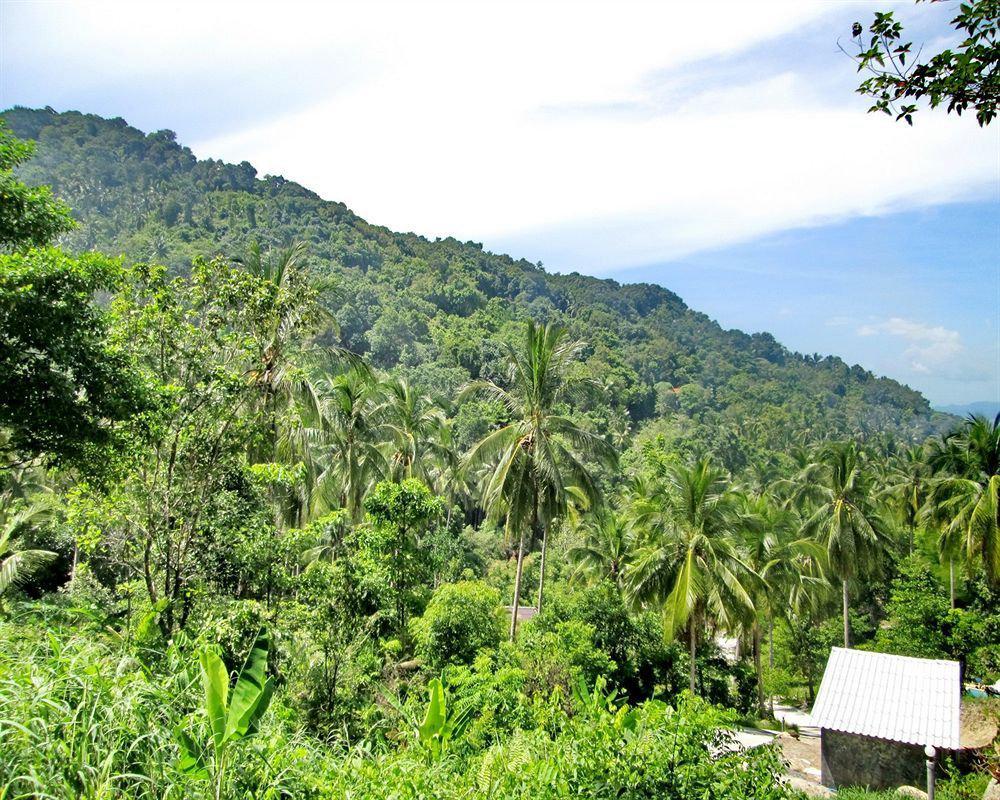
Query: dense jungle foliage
[[276, 494], [439, 312]]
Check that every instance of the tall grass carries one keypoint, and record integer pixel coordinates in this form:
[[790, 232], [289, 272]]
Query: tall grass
[[82, 717]]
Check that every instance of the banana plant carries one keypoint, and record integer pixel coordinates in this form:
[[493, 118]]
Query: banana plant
[[439, 727], [231, 718], [596, 701]]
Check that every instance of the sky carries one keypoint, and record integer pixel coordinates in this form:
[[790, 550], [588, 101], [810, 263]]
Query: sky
[[717, 149]]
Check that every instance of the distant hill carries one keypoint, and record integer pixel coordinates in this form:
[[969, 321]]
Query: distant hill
[[985, 408], [439, 311]]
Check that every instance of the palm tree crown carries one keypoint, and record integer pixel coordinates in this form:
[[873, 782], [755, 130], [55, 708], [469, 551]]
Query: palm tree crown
[[540, 453], [836, 493], [689, 563], [971, 496]]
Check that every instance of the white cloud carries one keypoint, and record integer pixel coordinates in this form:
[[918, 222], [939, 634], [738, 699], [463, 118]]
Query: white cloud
[[582, 134], [930, 349]]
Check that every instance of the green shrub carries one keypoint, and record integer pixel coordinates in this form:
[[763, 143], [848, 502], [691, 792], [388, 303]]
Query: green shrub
[[460, 620], [642, 663], [558, 657]]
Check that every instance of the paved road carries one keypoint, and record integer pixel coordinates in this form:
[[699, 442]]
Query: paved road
[[796, 716]]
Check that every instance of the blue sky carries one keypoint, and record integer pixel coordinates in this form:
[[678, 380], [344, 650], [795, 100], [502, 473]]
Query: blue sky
[[720, 153]]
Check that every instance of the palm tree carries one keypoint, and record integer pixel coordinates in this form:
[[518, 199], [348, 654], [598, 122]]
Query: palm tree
[[351, 406], [290, 311], [17, 562], [837, 491], [786, 565], [689, 563], [951, 539], [907, 484], [446, 477], [607, 547], [972, 496], [539, 454], [413, 422]]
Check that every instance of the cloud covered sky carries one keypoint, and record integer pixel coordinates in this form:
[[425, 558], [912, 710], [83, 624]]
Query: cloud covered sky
[[720, 152]]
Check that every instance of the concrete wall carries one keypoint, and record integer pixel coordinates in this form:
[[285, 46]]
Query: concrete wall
[[851, 760]]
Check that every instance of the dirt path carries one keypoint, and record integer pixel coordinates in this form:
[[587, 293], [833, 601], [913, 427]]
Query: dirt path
[[802, 752]]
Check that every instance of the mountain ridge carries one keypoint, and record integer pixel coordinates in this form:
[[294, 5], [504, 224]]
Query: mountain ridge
[[986, 408], [439, 310]]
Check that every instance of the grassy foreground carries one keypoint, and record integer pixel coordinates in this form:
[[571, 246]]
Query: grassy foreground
[[86, 714]]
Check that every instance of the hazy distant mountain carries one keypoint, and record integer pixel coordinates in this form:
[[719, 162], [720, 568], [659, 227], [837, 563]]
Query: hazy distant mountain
[[987, 408]]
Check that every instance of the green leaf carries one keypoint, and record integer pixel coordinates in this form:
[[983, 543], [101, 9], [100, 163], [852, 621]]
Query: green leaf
[[252, 692], [215, 681], [434, 719], [190, 761]]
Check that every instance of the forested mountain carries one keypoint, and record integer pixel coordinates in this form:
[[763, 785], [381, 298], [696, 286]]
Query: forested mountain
[[438, 311]]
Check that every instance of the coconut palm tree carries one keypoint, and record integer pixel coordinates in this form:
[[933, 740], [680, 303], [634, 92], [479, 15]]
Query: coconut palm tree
[[352, 461], [412, 421], [540, 453], [278, 328], [689, 563], [17, 562], [444, 473], [607, 547], [837, 490], [971, 497], [787, 566], [907, 483]]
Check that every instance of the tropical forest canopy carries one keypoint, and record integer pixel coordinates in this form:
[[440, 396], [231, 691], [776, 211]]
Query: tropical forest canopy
[[440, 312], [271, 479]]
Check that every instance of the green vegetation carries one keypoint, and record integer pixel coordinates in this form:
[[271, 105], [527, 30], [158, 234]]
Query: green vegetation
[[962, 76], [365, 455], [441, 313]]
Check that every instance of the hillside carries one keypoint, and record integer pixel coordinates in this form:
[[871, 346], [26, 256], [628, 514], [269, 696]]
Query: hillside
[[439, 311]]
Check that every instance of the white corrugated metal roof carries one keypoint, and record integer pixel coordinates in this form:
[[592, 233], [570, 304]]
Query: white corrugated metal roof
[[911, 700]]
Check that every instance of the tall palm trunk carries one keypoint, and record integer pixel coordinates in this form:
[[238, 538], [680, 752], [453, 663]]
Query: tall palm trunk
[[541, 567], [770, 653], [847, 619], [693, 640], [951, 582], [757, 666], [517, 586]]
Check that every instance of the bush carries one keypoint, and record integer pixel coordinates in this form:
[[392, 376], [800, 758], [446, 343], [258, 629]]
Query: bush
[[642, 663], [559, 657], [461, 619]]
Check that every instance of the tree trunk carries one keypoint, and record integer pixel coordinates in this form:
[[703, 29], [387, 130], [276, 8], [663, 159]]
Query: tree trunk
[[517, 586], [847, 620], [770, 654], [770, 641], [951, 581], [541, 567], [757, 666], [693, 636]]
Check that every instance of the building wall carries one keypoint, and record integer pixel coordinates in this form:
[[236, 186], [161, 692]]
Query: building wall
[[852, 760]]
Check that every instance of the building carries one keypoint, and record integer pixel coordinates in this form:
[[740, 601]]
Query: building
[[878, 712], [524, 613]]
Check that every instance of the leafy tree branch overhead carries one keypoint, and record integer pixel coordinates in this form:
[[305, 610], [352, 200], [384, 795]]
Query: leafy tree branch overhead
[[963, 76]]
